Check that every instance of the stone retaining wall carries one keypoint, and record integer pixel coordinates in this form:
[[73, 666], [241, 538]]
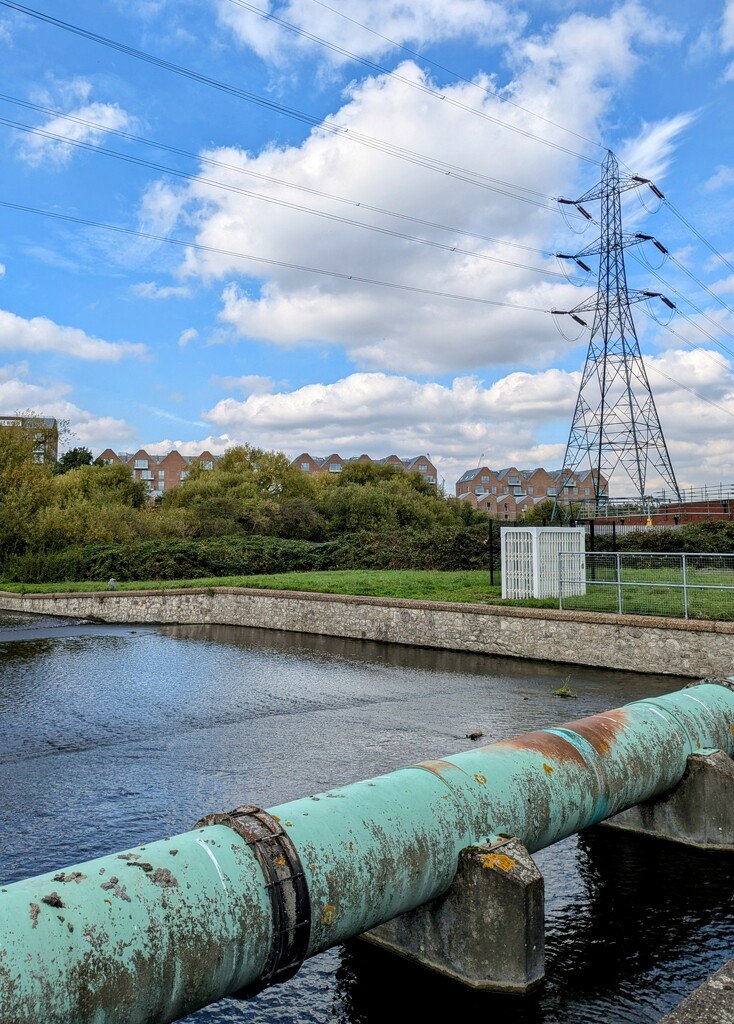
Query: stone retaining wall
[[695, 648]]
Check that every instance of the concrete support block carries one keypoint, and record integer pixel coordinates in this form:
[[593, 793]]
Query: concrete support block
[[699, 811], [487, 931]]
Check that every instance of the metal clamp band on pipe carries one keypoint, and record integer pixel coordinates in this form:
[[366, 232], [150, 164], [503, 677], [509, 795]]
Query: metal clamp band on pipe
[[286, 885]]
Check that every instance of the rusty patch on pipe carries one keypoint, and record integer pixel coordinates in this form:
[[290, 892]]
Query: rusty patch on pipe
[[437, 767], [328, 914], [600, 731], [551, 746]]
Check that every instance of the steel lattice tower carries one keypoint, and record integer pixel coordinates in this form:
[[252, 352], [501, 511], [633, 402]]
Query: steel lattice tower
[[615, 422]]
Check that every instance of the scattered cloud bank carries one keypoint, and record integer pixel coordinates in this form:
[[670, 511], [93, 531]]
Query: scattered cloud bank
[[39, 334]]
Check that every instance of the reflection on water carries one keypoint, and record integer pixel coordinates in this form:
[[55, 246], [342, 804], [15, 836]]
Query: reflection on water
[[111, 736]]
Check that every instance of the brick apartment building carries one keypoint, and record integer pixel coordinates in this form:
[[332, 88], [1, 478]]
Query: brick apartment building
[[45, 431], [510, 493], [335, 464], [160, 472]]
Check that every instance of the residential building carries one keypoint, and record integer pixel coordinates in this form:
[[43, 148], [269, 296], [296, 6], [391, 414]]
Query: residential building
[[45, 432], [510, 493], [160, 472], [335, 464]]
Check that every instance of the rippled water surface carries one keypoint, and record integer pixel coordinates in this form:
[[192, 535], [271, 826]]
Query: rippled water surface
[[111, 736]]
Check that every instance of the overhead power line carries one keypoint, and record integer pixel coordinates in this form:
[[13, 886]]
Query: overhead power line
[[225, 187], [328, 127], [458, 77], [198, 246], [250, 173], [380, 69]]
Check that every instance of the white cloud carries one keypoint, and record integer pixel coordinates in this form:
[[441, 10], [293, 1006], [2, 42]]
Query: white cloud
[[87, 123], [727, 27], [39, 334], [382, 414], [724, 287], [249, 384], [650, 153], [17, 392], [509, 420], [190, 334], [367, 28], [571, 69], [216, 445], [2, 270], [722, 178], [151, 290]]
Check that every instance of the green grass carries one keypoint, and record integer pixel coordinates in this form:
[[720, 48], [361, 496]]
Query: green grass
[[665, 600], [468, 587], [471, 587]]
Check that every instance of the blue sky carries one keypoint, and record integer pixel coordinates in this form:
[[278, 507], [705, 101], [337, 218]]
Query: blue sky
[[363, 208]]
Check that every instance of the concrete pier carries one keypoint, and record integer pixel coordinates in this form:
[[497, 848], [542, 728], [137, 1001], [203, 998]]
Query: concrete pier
[[487, 931], [699, 811]]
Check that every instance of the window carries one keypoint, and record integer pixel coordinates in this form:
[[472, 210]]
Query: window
[[485, 479], [513, 479], [494, 489], [530, 490], [306, 466], [146, 475], [587, 492], [423, 468], [431, 479], [335, 467], [207, 464], [517, 490], [551, 492], [184, 473], [141, 464]]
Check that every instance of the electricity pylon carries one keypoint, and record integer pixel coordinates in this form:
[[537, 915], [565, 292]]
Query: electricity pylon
[[615, 423]]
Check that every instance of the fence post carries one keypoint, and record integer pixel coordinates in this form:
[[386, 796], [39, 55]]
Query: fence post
[[490, 540], [619, 581], [685, 586], [560, 580]]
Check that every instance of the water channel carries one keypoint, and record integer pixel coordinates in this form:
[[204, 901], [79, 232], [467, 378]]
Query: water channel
[[111, 736]]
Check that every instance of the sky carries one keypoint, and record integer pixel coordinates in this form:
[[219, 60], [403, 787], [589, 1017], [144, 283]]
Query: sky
[[332, 226]]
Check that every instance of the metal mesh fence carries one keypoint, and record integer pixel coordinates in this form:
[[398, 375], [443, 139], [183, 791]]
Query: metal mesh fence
[[699, 586]]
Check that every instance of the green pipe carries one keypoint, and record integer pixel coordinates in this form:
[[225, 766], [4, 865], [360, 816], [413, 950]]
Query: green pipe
[[154, 933]]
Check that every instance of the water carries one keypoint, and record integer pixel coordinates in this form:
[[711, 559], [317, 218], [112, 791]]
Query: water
[[111, 736]]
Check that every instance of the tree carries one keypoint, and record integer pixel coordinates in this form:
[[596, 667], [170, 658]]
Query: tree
[[73, 459]]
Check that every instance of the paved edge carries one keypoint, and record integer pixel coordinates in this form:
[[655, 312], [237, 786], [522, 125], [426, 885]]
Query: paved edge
[[711, 1003]]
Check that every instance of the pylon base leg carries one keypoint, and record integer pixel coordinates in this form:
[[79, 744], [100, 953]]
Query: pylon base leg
[[487, 931], [699, 811]]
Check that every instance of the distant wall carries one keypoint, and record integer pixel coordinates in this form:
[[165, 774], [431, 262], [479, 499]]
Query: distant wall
[[695, 648]]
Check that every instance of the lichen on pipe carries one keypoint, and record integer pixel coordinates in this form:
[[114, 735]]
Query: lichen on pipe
[[154, 933]]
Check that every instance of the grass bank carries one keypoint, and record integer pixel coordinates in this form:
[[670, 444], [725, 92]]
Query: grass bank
[[466, 586]]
